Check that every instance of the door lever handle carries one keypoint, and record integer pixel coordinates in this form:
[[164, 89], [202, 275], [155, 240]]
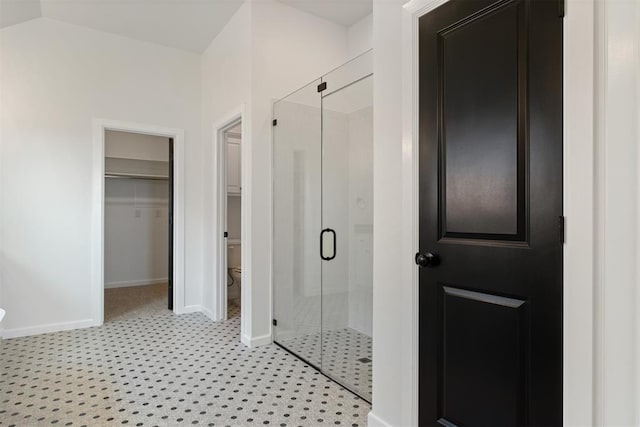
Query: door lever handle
[[427, 259], [327, 244]]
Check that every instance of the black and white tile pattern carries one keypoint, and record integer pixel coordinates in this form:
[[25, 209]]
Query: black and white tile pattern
[[165, 370], [345, 355]]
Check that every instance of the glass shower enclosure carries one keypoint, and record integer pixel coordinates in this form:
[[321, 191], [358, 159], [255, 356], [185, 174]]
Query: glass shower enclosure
[[323, 223]]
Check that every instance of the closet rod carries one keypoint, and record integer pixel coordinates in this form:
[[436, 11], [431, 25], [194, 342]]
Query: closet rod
[[146, 177]]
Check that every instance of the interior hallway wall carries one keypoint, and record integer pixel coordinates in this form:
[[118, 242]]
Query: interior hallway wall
[[55, 79], [226, 85], [267, 50], [361, 202], [290, 49], [617, 354], [393, 368], [360, 36]]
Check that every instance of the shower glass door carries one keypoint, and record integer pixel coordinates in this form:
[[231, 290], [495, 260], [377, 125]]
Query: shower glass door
[[297, 221], [323, 224], [347, 223]]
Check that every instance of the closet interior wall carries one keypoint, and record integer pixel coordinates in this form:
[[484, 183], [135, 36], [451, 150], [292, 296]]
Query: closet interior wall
[[136, 209]]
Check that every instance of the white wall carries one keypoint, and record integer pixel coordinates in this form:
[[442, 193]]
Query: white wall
[[290, 48], [360, 36], [56, 78], [393, 369], [262, 53], [267, 50], [135, 232], [618, 281], [361, 202], [127, 145], [226, 85]]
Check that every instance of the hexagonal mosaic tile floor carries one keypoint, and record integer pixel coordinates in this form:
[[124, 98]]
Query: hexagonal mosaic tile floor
[[165, 370]]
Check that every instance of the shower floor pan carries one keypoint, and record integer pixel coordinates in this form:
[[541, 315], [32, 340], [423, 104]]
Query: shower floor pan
[[342, 354]]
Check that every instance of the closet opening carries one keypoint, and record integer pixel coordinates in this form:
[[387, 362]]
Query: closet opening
[[138, 225], [230, 228]]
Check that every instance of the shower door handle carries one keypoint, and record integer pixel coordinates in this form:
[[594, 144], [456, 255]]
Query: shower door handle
[[327, 244]]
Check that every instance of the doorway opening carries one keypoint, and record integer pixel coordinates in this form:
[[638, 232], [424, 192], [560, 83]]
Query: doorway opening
[[138, 226], [229, 225], [233, 233], [174, 173]]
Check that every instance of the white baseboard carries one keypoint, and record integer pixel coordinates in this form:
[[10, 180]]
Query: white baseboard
[[209, 314], [375, 421], [131, 283], [191, 309], [256, 341], [369, 333], [288, 334], [46, 329]]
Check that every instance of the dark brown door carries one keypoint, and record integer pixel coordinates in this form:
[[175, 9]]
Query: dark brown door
[[491, 214]]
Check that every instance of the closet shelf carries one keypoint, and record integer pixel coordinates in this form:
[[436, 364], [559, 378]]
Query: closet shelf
[[115, 175], [136, 169]]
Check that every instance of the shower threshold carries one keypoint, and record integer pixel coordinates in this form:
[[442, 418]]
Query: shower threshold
[[343, 355]]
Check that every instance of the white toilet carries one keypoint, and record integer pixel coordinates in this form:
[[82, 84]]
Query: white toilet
[[235, 272], [236, 275]]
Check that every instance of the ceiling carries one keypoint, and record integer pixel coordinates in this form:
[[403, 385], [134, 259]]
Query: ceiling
[[182, 24], [16, 11], [344, 12]]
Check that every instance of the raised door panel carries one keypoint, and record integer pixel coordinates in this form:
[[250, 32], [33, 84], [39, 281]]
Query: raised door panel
[[482, 358], [482, 111]]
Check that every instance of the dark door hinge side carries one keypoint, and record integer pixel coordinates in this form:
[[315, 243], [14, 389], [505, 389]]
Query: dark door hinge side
[[561, 7], [275, 122], [561, 229], [274, 322]]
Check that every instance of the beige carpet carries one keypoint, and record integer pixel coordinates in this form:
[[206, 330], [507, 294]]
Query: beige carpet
[[135, 302]]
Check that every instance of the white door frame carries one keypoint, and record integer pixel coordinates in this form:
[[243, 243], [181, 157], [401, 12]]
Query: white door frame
[[219, 267], [219, 187], [100, 126], [579, 191]]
